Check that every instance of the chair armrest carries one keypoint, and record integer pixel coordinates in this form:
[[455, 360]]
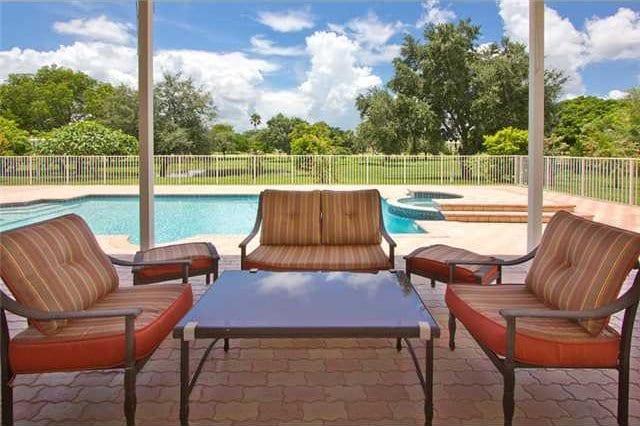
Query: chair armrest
[[184, 263], [251, 236], [497, 262], [392, 246], [25, 312]]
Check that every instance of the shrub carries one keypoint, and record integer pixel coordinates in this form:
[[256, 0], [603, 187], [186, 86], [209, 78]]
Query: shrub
[[13, 140], [508, 141], [87, 138]]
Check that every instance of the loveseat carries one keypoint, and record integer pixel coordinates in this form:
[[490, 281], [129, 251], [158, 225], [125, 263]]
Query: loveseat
[[319, 231]]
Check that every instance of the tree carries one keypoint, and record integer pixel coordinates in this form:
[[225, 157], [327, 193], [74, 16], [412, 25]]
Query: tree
[[182, 116], [223, 138], [467, 91], [86, 138], [574, 115], [276, 136], [115, 107], [508, 141], [13, 140], [255, 120], [311, 139], [50, 98]]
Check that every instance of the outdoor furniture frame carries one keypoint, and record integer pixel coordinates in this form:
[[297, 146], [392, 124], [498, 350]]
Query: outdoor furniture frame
[[627, 303], [259, 218], [130, 365], [141, 267], [207, 319]]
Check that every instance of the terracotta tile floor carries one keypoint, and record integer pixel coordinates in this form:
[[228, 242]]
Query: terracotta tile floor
[[327, 382]]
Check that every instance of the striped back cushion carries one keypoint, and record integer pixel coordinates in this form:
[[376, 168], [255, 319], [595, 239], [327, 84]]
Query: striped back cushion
[[55, 265], [290, 218], [582, 265], [351, 217]]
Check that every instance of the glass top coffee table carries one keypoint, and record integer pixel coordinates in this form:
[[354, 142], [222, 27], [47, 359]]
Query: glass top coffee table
[[258, 304]]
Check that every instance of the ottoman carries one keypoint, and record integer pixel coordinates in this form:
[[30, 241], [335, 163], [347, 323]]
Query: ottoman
[[430, 262], [204, 260]]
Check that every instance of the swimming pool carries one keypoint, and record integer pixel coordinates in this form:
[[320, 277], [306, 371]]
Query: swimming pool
[[176, 216]]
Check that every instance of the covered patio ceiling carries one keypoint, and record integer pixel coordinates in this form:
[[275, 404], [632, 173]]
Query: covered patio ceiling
[[536, 122]]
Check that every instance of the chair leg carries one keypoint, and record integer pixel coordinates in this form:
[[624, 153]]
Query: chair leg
[[208, 279], [452, 331], [226, 345], [433, 283], [623, 395], [508, 398], [130, 398], [398, 344], [7, 402]]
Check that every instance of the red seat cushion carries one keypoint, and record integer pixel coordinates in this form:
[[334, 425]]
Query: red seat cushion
[[543, 342], [99, 343], [431, 262]]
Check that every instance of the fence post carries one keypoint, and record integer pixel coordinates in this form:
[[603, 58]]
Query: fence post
[[582, 176], [441, 169], [367, 170], [478, 170], [104, 169], [30, 170], [292, 167], [632, 182], [404, 169], [66, 170], [254, 169]]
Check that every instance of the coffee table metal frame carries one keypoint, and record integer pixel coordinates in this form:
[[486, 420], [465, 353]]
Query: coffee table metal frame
[[188, 381]]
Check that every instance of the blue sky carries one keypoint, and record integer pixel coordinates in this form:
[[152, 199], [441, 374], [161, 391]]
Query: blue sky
[[306, 59]]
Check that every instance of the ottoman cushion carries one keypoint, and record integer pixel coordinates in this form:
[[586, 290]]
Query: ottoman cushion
[[431, 262], [203, 256]]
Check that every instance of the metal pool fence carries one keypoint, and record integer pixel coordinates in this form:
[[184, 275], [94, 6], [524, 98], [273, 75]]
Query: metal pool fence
[[609, 179]]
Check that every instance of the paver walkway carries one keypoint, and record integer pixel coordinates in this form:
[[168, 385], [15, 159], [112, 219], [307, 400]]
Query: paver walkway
[[327, 382]]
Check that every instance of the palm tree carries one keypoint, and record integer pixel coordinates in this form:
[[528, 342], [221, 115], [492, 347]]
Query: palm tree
[[255, 119]]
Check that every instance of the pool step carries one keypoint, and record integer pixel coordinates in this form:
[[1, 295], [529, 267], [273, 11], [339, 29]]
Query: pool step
[[498, 216], [501, 207]]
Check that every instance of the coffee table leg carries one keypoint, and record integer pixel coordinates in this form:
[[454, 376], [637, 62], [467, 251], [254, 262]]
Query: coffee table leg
[[184, 383], [428, 385]]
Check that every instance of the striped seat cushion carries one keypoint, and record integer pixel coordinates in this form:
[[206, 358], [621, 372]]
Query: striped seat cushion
[[290, 218], [202, 255], [99, 343], [582, 265], [351, 217], [55, 265], [543, 342], [318, 258], [431, 262]]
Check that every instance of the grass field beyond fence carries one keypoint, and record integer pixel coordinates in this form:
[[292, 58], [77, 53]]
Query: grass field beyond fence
[[610, 179]]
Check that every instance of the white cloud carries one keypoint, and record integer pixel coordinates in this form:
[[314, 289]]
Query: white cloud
[[97, 29], [432, 13], [266, 47], [335, 79], [287, 21], [617, 94], [614, 37], [372, 36]]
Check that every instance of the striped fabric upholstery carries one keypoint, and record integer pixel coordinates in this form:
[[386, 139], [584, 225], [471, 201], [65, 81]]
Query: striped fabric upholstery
[[318, 258], [539, 341], [178, 252], [582, 265], [351, 217], [55, 265], [290, 218], [202, 255], [431, 261]]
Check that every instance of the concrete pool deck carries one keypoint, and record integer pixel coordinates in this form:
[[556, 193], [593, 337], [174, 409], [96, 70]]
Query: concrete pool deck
[[501, 238]]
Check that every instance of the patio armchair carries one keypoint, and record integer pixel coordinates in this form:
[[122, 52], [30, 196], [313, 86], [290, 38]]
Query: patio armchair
[[319, 231], [79, 318], [559, 318]]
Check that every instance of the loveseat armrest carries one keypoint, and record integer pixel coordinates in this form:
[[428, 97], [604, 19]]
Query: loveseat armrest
[[256, 227], [392, 246], [184, 263], [453, 263]]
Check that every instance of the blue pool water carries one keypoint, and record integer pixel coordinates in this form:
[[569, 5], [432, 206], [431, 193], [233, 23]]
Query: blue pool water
[[177, 216]]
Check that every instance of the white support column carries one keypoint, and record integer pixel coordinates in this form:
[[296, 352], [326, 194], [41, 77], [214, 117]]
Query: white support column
[[145, 93], [536, 122]]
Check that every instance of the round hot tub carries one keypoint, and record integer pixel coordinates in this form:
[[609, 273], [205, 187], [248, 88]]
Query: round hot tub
[[420, 205]]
